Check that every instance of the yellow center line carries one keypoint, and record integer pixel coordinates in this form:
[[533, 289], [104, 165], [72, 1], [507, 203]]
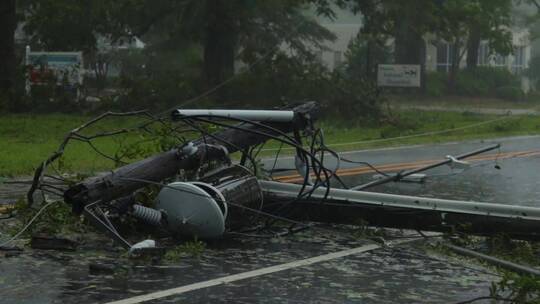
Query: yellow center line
[[394, 167], [411, 165]]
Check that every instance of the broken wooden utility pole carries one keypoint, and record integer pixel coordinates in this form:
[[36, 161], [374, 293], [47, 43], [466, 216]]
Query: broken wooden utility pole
[[125, 180], [344, 206]]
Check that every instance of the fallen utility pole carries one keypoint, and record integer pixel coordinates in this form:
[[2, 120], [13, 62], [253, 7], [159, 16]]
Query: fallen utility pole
[[401, 211], [399, 176], [124, 180]]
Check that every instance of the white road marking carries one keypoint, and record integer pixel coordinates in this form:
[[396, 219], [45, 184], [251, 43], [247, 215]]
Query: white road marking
[[255, 273]]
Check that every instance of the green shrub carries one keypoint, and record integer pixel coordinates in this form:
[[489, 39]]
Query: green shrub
[[193, 249], [4, 102], [435, 84], [484, 81], [284, 79], [496, 77], [511, 93], [468, 84], [533, 72], [533, 96], [477, 82], [402, 126], [158, 84], [357, 56], [506, 126]]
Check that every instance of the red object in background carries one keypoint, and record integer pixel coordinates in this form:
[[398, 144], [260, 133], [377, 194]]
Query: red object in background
[[40, 75]]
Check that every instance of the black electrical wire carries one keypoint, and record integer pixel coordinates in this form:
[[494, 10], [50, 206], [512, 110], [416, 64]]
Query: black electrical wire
[[366, 164], [338, 165], [260, 212], [318, 134], [266, 214], [290, 142], [206, 133], [309, 156], [206, 196], [322, 149], [258, 150], [276, 158]]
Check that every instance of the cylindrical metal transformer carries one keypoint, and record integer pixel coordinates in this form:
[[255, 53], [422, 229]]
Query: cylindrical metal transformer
[[202, 208], [239, 188]]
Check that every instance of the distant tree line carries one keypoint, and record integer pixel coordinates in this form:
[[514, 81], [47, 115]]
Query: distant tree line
[[247, 30]]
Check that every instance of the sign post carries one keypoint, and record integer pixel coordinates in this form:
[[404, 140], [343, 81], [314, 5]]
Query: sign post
[[398, 75]]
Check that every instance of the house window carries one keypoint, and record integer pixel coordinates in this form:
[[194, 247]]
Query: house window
[[518, 64], [499, 60], [445, 53], [483, 54]]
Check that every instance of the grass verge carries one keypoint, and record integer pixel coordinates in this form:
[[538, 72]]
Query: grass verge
[[26, 140], [461, 102]]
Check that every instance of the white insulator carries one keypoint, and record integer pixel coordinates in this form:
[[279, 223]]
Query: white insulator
[[255, 115], [148, 215]]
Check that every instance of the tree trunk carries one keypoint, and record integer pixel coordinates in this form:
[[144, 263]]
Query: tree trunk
[[220, 43], [454, 67], [410, 47], [8, 24], [408, 43], [473, 43], [423, 53], [369, 48]]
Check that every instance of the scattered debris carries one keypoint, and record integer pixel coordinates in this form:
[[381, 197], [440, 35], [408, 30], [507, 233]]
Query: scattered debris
[[198, 192], [10, 248], [495, 261], [43, 241], [102, 268]]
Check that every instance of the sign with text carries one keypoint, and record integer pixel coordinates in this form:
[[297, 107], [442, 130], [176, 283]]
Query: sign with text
[[63, 69], [398, 75]]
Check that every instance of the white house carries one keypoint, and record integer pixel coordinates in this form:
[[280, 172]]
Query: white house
[[439, 55]]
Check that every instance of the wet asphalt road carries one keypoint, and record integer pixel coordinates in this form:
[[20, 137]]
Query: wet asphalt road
[[517, 182], [404, 274]]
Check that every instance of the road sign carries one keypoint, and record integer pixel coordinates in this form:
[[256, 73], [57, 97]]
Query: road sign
[[398, 75], [63, 68]]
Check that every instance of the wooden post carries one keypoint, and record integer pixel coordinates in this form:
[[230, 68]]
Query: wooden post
[[125, 180]]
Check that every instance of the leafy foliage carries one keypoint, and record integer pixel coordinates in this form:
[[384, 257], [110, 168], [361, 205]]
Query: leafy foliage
[[517, 288], [360, 51], [534, 69], [66, 25], [226, 30], [287, 79], [457, 18], [194, 248], [477, 82], [56, 219]]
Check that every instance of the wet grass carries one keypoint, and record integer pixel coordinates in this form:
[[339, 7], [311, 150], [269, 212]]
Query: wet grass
[[462, 102], [417, 127], [26, 140], [512, 287], [194, 249]]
